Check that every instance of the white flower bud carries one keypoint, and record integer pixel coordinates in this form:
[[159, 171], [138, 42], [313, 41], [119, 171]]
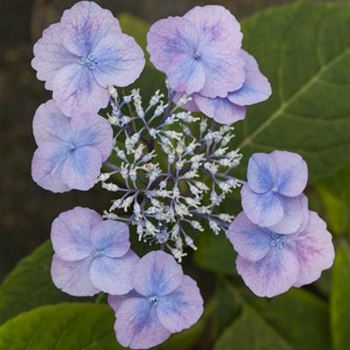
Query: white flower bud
[[110, 187], [214, 226]]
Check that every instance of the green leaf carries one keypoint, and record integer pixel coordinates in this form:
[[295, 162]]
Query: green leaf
[[334, 193], [304, 49], [29, 285], [301, 317], [70, 326], [340, 299], [215, 253], [298, 316], [251, 332], [78, 326], [226, 310]]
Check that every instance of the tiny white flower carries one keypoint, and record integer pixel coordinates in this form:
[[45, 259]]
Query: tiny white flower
[[214, 226], [110, 187]]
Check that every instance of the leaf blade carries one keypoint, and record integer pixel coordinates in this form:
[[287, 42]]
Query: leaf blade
[[64, 326], [29, 285], [284, 314], [308, 112]]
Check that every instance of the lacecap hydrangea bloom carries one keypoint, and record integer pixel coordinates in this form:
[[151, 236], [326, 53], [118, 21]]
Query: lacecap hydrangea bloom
[[271, 263], [202, 57], [169, 170], [70, 151], [273, 195], [79, 57], [91, 254], [164, 301]]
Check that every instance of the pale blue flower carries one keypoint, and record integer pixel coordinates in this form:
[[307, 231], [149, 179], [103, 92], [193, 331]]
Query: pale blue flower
[[91, 254], [164, 301], [256, 88], [271, 263], [199, 52], [70, 151], [272, 196], [82, 55]]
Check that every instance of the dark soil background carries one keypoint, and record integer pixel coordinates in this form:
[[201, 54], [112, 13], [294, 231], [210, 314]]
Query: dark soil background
[[26, 210]]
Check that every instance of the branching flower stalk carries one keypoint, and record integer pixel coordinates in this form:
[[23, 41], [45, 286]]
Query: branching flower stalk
[[170, 170]]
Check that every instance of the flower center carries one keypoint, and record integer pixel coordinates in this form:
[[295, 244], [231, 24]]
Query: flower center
[[98, 253], [88, 61], [278, 241], [274, 189], [153, 300], [197, 54]]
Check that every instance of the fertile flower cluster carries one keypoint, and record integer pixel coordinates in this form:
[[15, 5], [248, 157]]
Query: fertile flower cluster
[[280, 243], [168, 198], [169, 168]]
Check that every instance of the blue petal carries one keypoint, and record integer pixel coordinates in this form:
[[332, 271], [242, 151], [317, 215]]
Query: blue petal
[[47, 165], [157, 273], [314, 249], [137, 325], [263, 209], [50, 125], [262, 172], [272, 275], [115, 301], [292, 173], [120, 60], [295, 216], [182, 308], [249, 240], [94, 131], [77, 92], [50, 55], [256, 87], [111, 237], [186, 75], [113, 275], [71, 233], [84, 24], [82, 167], [72, 277], [220, 109]]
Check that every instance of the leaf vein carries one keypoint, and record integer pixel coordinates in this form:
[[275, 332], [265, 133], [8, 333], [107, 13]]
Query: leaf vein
[[248, 140]]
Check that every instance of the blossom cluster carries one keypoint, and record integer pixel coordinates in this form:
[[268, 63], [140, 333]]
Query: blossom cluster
[[151, 296], [169, 199], [280, 243], [202, 56], [169, 162]]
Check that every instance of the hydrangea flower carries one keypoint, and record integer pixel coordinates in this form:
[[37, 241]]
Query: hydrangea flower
[[91, 254], [272, 196], [199, 52], [83, 54], [70, 151], [256, 88], [271, 263], [164, 301]]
